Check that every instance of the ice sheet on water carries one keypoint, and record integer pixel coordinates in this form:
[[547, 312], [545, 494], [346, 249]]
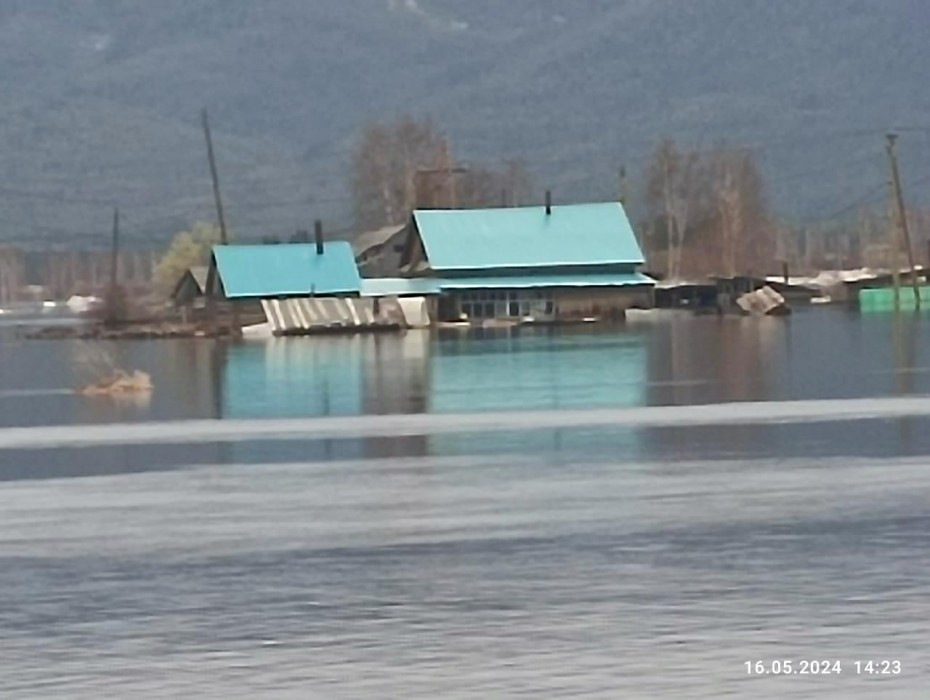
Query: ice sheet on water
[[200, 431]]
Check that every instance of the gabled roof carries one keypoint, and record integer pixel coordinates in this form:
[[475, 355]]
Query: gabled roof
[[199, 275], [193, 282], [287, 269], [576, 234], [373, 239]]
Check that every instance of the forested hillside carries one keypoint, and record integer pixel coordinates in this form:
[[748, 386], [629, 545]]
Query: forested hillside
[[101, 100]]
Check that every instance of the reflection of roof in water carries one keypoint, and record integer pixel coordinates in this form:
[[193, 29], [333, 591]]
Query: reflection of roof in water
[[538, 371]]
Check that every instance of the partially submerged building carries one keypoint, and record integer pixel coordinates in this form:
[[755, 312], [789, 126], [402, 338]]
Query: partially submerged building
[[548, 263], [296, 288], [515, 265], [378, 252], [189, 294]]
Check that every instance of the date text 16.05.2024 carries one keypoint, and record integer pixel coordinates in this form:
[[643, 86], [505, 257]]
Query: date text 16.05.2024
[[822, 667]]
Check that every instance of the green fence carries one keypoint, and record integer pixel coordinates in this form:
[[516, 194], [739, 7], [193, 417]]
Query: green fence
[[883, 299]]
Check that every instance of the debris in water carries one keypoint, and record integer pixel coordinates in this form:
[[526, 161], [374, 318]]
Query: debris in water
[[103, 375], [120, 383], [763, 302]]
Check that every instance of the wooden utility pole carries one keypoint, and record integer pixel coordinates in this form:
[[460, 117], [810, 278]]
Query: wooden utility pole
[[114, 252], [894, 255], [224, 235], [902, 226], [448, 169], [624, 194], [224, 238], [112, 301]]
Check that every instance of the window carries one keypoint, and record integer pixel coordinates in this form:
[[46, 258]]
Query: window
[[515, 304]]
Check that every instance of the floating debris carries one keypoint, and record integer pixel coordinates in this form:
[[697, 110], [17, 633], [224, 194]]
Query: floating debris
[[763, 302], [120, 383]]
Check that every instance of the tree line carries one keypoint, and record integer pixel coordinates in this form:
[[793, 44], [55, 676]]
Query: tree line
[[706, 211], [399, 166], [702, 211]]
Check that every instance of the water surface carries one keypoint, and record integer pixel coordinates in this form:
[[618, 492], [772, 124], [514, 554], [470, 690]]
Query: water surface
[[617, 561]]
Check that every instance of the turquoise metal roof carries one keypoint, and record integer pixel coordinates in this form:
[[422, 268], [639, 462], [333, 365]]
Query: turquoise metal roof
[[576, 234], [619, 279], [287, 269], [399, 286]]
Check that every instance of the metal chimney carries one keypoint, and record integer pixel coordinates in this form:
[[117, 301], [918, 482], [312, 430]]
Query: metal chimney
[[318, 236], [548, 202]]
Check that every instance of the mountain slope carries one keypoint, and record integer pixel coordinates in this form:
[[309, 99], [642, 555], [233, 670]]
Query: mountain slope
[[102, 98]]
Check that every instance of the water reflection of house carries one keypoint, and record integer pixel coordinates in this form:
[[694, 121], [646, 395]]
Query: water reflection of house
[[543, 263], [292, 378], [330, 376], [542, 369], [396, 380]]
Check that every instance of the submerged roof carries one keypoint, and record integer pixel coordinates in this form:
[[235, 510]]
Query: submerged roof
[[287, 269], [575, 234]]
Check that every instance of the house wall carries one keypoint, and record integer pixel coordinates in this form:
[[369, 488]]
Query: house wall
[[543, 304], [605, 303]]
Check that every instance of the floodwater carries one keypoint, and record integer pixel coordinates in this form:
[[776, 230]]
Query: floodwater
[[590, 512]]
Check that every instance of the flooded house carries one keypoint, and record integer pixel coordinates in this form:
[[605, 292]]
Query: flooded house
[[524, 264], [378, 252], [294, 288], [189, 294]]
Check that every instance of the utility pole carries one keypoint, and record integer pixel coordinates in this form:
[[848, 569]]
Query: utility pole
[[112, 311], [224, 238], [624, 194], [902, 225], [224, 235], [449, 173]]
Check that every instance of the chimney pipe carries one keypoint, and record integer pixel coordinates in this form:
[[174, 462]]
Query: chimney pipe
[[548, 202], [318, 236]]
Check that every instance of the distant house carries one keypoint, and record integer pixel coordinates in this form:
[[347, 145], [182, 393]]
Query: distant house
[[378, 252], [191, 288], [294, 287], [189, 294], [241, 272], [541, 263]]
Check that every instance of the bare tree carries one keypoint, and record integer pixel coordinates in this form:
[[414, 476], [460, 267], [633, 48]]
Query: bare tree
[[509, 185], [384, 169], [746, 238], [708, 213], [676, 187], [729, 208]]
